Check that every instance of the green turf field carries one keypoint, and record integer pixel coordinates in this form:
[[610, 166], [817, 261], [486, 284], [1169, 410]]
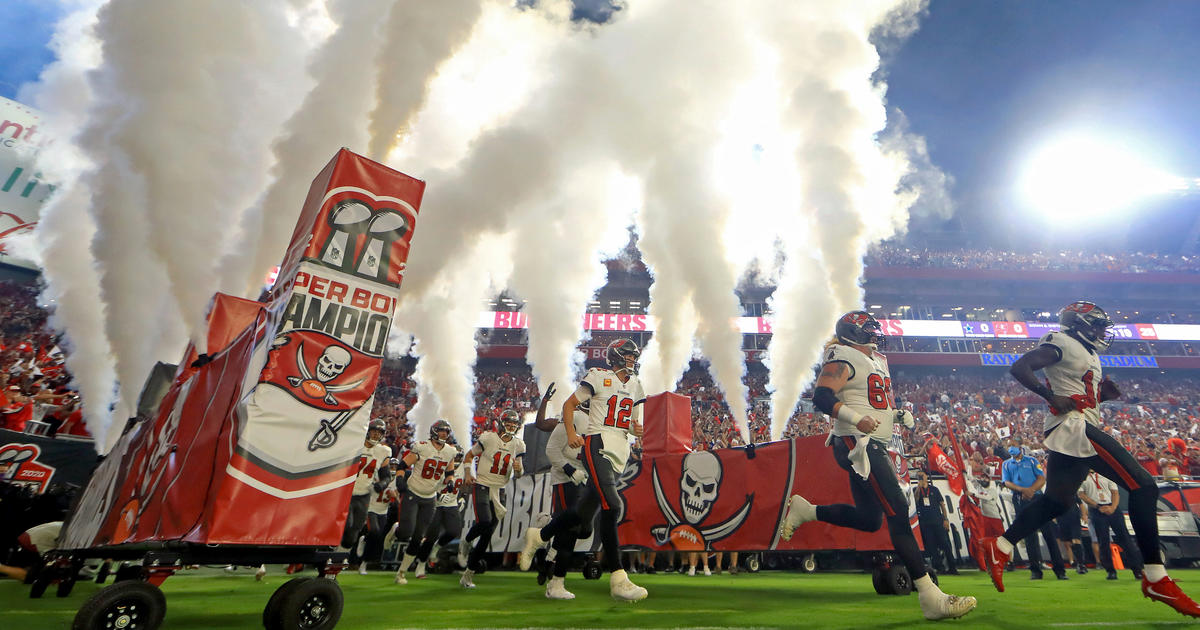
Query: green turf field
[[211, 599]]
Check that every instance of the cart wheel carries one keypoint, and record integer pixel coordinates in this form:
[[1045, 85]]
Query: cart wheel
[[879, 581], [899, 581], [754, 562], [103, 572], [772, 561], [66, 584], [271, 611], [592, 570], [809, 563], [312, 604], [128, 605]]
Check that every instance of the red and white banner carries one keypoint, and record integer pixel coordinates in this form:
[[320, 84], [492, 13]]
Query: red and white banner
[[259, 446]]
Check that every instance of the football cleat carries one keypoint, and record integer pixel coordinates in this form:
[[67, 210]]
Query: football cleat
[[995, 561], [555, 589], [465, 581], [623, 589], [362, 568], [260, 573], [420, 570], [1167, 592], [533, 542], [796, 512], [464, 551], [943, 606], [400, 579]]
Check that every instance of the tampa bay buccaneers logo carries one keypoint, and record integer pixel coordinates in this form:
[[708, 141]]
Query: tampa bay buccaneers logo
[[321, 373], [699, 490], [856, 318], [18, 464]]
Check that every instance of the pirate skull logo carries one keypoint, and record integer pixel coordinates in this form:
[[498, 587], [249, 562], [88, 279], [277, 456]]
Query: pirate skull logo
[[698, 485], [332, 363]]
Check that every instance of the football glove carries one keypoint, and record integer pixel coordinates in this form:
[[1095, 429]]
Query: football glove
[[905, 417], [577, 475], [1108, 390]]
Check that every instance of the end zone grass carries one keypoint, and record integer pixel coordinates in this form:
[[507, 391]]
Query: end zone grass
[[211, 599]]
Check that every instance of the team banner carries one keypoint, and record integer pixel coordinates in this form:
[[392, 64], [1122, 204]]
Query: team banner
[[732, 499], [256, 442], [36, 462], [22, 190]]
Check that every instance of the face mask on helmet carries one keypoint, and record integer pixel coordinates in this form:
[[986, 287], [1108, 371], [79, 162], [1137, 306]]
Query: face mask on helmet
[[1088, 322], [375, 432], [437, 430], [623, 354], [510, 423], [861, 329]]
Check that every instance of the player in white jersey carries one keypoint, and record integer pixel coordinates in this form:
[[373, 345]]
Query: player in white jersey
[[567, 478], [371, 458], [428, 463], [447, 518], [855, 389], [383, 495], [615, 399], [500, 456], [1077, 444]]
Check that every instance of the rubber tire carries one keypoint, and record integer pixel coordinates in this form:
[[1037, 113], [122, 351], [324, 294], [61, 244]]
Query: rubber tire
[[772, 561], [296, 603], [879, 581], [147, 596], [899, 581], [754, 563], [592, 570], [808, 563], [270, 616]]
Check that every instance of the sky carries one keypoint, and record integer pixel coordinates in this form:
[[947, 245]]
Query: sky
[[985, 82]]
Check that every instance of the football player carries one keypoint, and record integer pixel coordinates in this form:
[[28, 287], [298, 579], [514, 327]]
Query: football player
[[500, 456], [371, 458], [428, 462], [383, 495], [1075, 388], [615, 400], [854, 388], [447, 519], [567, 478]]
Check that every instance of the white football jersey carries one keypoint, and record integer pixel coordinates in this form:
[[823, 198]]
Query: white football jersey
[[610, 406], [496, 459], [448, 495], [869, 390], [370, 460], [559, 453], [1077, 375], [425, 475], [379, 500]]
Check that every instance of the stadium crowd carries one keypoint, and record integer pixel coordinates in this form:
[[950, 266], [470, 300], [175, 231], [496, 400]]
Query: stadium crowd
[[34, 384], [890, 255]]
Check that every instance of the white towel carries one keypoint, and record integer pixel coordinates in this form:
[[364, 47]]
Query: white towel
[[497, 505], [859, 461], [615, 448]]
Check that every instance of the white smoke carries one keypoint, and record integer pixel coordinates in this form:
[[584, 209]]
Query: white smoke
[[331, 116], [419, 37]]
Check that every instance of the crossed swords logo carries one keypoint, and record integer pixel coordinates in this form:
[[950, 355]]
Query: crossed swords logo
[[327, 435], [662, 533]]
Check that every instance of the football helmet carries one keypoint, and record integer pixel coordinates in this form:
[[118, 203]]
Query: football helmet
[[859, 328], [1089, 322], [376, 426], [510, 423], [617, 353], [436, 430]]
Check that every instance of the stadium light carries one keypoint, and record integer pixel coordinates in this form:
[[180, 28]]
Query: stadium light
[[1080, 176]]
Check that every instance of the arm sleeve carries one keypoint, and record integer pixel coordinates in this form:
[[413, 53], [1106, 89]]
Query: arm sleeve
[[556, 444]]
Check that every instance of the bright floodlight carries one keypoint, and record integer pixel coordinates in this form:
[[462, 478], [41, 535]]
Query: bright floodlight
[[1078, 177]]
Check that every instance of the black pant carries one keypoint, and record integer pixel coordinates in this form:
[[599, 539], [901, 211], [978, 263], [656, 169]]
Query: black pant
[[1032, 547], [564, 495], [376, 530], [416, 513], [600, 493], [485, 523], [1065, 473], [1100, 524], [446, 526], [937, 543], [875, 497], [356, 517]]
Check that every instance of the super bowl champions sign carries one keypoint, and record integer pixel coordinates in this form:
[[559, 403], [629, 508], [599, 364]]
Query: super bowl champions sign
[[21, 190]]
